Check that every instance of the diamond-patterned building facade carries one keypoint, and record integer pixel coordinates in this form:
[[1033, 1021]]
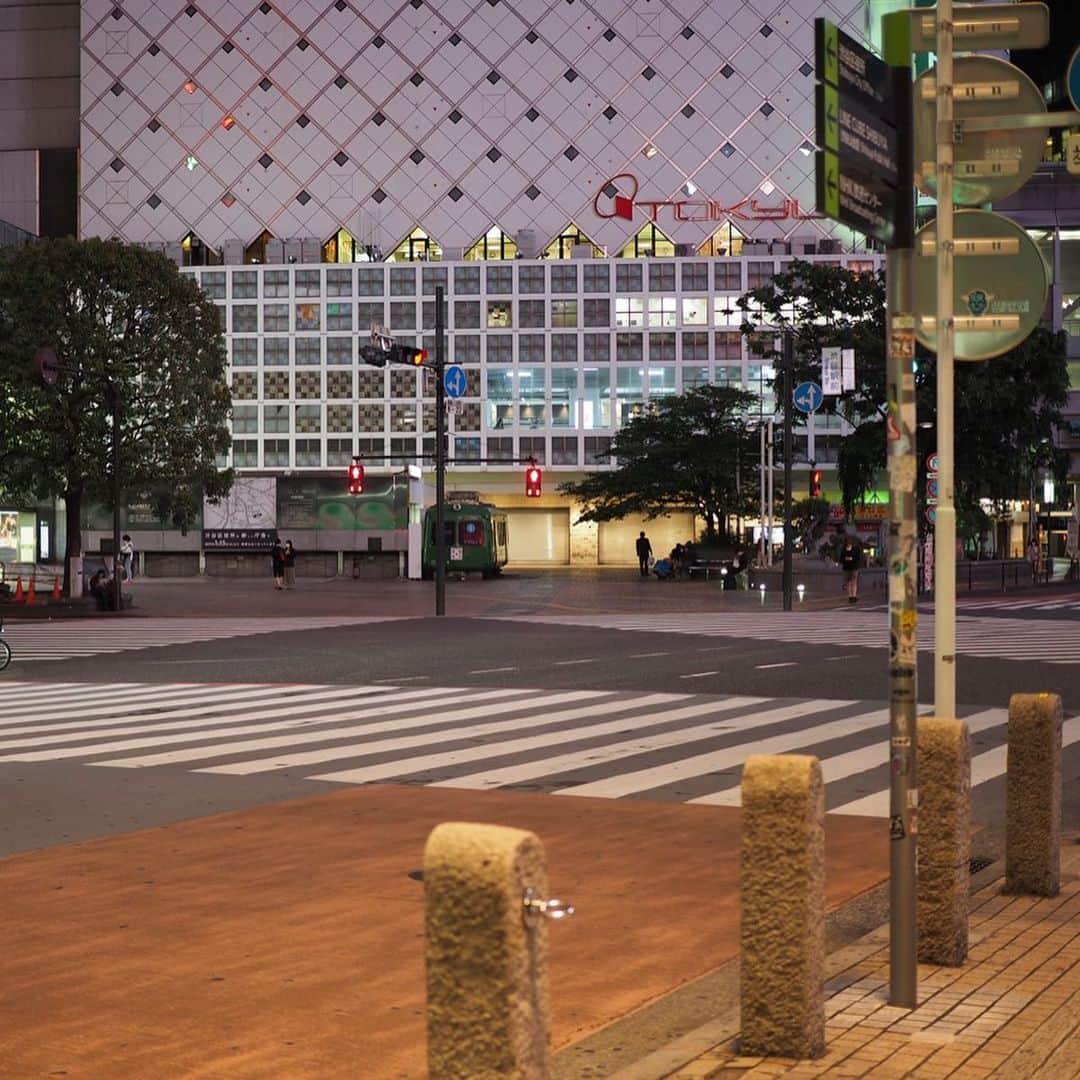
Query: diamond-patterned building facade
[[229, 118]]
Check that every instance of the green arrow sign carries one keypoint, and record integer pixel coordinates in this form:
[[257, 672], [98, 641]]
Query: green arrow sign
[[829, 185], [828, 53]]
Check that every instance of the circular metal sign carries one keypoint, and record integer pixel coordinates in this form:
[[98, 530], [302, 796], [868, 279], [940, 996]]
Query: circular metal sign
[[988, 164], [1072, 79], [46, 365], [999, 288]]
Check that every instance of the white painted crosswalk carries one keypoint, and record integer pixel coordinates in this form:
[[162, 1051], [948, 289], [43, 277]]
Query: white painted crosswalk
[[64, 640], [601, 744], [1050, 641]]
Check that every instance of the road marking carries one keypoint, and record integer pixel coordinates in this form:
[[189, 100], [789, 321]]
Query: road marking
[[845, 656], [699, 675], [489, 670], [564, 663], [403, 678], [644, 655], [767, 667]]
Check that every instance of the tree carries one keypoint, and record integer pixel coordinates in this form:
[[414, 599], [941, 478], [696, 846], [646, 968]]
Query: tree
[[693, 451], [123, 321]]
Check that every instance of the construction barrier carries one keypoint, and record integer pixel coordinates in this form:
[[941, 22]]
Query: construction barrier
[[1033, 795], [944, 771], [783, 906]]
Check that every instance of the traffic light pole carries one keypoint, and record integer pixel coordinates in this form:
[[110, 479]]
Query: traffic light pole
[[440, 452]]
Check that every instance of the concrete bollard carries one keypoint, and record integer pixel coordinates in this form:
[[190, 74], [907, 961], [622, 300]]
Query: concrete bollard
[[944, 771], [783, 906], [488, 994], [1033, 795]]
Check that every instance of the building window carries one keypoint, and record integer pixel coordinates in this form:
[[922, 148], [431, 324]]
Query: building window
[[467, 448], [213, 284], [339, 316], [597, 311], [649, 242], [562, 247], [727, 277], [494, 244], [532, 312], [695, 311], [661, 380], [731, 375], [597, 348], [245, 284], [244, 352], [564, 279], [245, 420], [727, 312], [245, 318], [466, 314], [694, 276], [416, 247], [630, 394], [662, 277], [276, 283], [596, 398], [466, 280], [276, 453], [339, 451], [309, 283], [532, 411], [308, 316], [564, 451], [759, 274], [531, 279], [661, 348], [308, 352], [339, 384], [695, 347], [500, 397], [564, 349], [628, 349], [728, 346], [564, 397], [370, 314], [499, 279], [370, 418], [372, 449], [533, 447], [500, 448], [275, 317], [564, 312], [466, 348], [629, 311], [693, 377], [629, 279], [245, 453], [340, 248], [727, 240], [402, 315], [275, 352], [370, 281], [276, 418], [402, 281], [403, 418], [499, 315], [308, 452], [598, 278], [532, 348], [662, 311], [597, 449], [432, 277], [500, 348]]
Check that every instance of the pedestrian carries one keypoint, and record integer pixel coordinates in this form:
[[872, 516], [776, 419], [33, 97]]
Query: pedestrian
[[290, 565], [741, 566], [850, 561], [127, 557], [277, 564], [1033, 557], [644, 553]]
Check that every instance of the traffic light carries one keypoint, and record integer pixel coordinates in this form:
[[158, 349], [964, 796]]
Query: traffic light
[[407, 354], [356, 479], [815, 483], [374, 355], [534, 482]]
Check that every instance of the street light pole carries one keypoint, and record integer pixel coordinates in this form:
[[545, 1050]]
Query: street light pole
[[114, 403], [789, 361], [440, 452]]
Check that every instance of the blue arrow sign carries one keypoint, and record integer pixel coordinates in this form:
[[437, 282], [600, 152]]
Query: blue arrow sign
[[1072, 79], [454, 380], [808, 397]]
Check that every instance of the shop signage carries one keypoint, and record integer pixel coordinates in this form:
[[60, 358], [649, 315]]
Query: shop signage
[[609, 203], [238, 539]]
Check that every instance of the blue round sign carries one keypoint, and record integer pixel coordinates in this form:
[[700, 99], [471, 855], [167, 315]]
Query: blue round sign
[[808, 397], [455, 381], [1072, 79]]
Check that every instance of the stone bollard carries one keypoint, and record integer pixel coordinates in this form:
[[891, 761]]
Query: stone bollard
[[1033, 795], [488, 996], [783, 906], [944, 771]]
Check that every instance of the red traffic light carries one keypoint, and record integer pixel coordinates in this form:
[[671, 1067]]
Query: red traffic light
[[356, 479], [815, 484], [534, 482]]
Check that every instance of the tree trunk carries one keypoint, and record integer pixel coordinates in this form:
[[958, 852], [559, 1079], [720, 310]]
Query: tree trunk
[[73, 509]]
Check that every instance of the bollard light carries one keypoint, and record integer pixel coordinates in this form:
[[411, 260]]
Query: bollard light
[[801, 590], [761, 589]]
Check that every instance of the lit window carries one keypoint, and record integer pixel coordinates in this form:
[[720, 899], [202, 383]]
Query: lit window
[[562, 247], [498, 314], [649, 241], [661, 310], [416, 247], [727, 240], [695, 311], [629, 311], [494, 244], [340, 248], [727, 312]]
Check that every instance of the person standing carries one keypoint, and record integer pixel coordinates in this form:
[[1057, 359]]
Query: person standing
[[127, 557], [644, 550], [290, 565], [277, 564], [850, 561], [1033, 554]]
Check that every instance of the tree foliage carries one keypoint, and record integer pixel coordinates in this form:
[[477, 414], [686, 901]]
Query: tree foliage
[[123, 321], [693, 451]]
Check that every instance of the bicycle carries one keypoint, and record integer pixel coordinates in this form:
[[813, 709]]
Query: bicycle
[[5, 649]]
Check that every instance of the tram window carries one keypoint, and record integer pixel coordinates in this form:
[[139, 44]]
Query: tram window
[[448, 532], [500, 533], [472, 532]]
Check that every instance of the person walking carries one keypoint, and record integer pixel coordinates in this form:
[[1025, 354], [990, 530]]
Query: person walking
[[277, 564], [850, 561], [644, 551], [741, 566], [127, 557], [290, 565]]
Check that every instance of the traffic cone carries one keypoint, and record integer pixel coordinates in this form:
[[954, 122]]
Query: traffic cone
[[19, 598], [56, 588], [31, 593]]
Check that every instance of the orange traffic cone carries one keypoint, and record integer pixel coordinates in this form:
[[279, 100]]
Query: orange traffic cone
[[56, 588], [19, 598], [31, 593]]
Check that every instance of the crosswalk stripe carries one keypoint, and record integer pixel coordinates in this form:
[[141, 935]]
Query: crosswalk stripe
[[985, 766], [871, 756], [370, 773]]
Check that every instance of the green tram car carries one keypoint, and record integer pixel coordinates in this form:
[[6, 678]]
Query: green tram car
[[476, 538]]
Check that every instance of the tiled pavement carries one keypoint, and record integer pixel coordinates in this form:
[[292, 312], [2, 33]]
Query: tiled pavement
[[1012, 1012]]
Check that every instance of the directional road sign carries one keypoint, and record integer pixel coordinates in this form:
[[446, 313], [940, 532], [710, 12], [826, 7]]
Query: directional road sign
[[1072, 79], [854, 70], [855, 134], [985, 26], [1000, 284], [856, 197], [455, 381], [808, 397], [989, 165]]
